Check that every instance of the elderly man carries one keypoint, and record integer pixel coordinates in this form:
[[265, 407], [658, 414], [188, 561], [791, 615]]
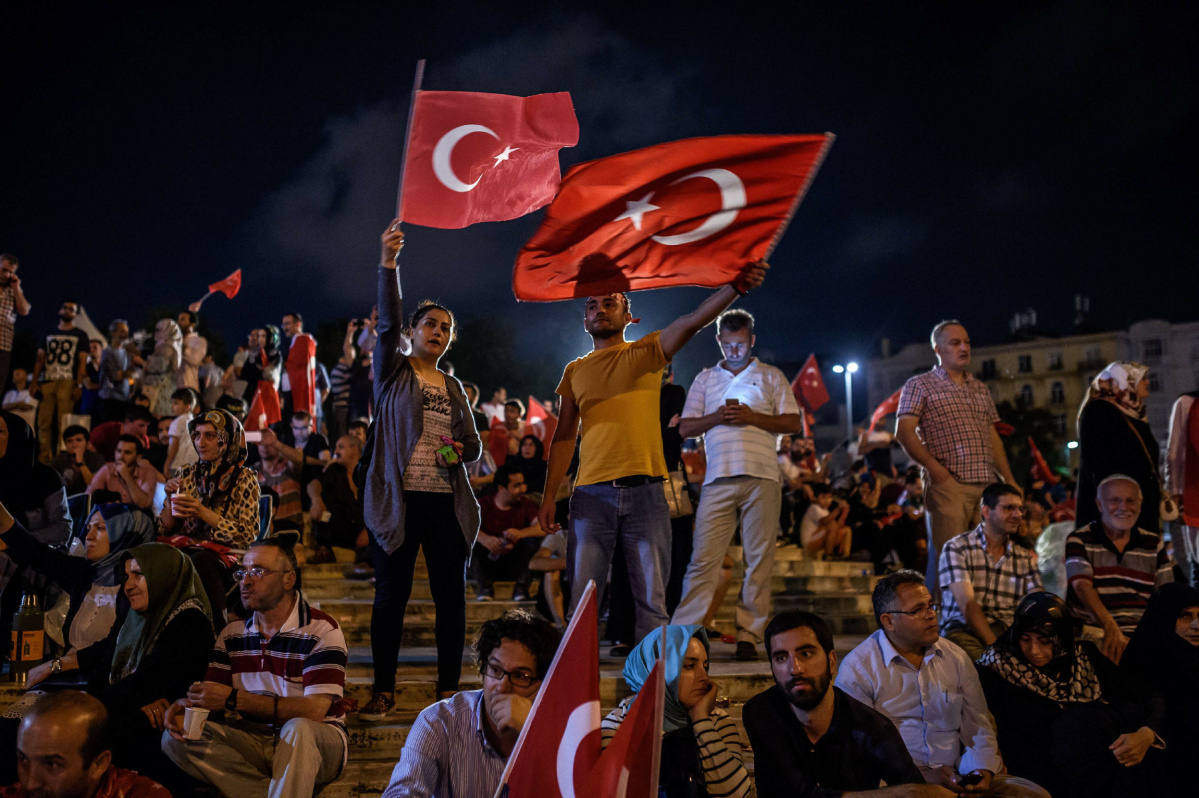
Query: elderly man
[[929, 689], [279, 676], [459, 746], [1113, 567]]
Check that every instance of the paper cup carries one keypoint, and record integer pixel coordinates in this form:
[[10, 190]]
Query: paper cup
[[177, 495], [193, 722]]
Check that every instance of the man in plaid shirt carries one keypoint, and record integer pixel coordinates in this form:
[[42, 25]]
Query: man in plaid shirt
[[947, 424], [984, 574]]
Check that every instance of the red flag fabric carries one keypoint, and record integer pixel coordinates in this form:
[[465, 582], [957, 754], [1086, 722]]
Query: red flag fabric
[[629, 765], [885, 408], [544, 424], [1040, 468], [1190, 468], [808, 386], [559, 747], [301, 374], [691, 212], [483, 157], [1003, 428], [537, 411], [497, 442], [229, 286]]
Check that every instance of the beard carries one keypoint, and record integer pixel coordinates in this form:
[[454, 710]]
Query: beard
[[810, 699]]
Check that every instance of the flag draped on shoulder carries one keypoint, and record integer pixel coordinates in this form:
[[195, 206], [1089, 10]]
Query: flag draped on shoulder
[[474, 157], [691, 212]]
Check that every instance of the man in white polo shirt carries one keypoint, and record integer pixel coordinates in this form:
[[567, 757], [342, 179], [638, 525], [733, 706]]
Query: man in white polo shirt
[[740, 406]]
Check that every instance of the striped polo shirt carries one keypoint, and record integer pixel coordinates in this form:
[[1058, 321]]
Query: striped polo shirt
[[307, 657], [747, 450], [1124, 581]]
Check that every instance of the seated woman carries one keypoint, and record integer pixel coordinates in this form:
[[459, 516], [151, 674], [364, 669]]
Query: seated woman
[[530, 461], [701, 747], [1164, 654], [93, 582], [1065, 716], [214, 501]]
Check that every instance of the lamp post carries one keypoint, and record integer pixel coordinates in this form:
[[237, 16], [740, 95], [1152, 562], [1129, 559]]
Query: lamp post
[[848, 370]]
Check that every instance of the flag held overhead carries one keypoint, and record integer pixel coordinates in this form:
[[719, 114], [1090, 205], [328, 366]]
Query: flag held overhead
[[229, 286]]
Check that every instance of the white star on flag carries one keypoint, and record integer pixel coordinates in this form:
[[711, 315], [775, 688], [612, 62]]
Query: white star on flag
[[635, 209], [503, 156]]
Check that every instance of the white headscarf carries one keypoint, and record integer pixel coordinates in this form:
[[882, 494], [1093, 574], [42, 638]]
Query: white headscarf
[[1118, 384]]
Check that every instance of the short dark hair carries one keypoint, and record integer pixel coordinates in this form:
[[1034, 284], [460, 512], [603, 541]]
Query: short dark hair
[[295, 316], [10, 258], [820, 488], [519, 405], [285, 549], [794, 619], [192, 315], [359, 423], [735, 320], [75, 703], [887, 591], [995, 491], [503, 475], [138, 413], [186, 395], [73, 430], [130, 439], [423, 310], [232, 404], [534, 633], [303, 415]]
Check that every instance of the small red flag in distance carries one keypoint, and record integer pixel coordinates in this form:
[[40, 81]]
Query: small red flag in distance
[[885, 408], [808, 386], [229, 286], [476, 157], [691, 212]]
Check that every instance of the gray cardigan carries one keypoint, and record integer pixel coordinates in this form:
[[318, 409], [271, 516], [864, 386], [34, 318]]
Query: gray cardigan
[[399, 422]]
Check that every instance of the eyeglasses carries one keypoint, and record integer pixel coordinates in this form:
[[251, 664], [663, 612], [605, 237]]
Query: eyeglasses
[[257, 572], [517, 678], [930, 610]]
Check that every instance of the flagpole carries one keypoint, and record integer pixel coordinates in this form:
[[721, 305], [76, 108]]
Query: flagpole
[[416, 84], [195, 306]]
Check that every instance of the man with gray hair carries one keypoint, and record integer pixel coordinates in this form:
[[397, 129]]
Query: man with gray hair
[[1113, 567], [946, 423]]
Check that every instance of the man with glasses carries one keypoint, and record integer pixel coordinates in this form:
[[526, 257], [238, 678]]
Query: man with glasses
[[58, 376], [279, 676], [459, 746], [929, 689], [985, 574]]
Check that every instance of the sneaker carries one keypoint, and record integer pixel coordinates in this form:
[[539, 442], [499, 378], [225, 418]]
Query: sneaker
[[376, 709], [520, 593], [746, 651], [484, 594]]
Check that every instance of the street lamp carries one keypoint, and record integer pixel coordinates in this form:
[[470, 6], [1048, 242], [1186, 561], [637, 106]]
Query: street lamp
[[848, 370]]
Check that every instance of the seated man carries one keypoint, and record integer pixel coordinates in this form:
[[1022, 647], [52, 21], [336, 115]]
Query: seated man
[[1113, 567], [337, 513], [136, 422], [61, 753], [76, 464], [822, 531], [811, 741], [282, 670], [984, 573], [550, 562], [459, 746], [508, 535], [127, 479], [929, 689]]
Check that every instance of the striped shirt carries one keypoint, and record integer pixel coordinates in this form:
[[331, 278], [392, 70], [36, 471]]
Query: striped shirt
[[1124, 581], [720, 749], [745, 450], [447, 754], [339, 384], [954, 421], [998, 587]]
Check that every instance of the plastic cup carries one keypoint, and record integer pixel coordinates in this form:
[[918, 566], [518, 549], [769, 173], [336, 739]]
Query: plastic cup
[[193, 722], [173, 498]]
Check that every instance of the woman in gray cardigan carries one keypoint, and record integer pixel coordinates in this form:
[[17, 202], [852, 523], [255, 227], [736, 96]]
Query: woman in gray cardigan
[[417, 495]]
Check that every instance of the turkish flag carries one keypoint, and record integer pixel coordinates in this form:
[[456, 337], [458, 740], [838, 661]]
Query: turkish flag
[[629, 765], [559, 746], [229, 286], [691, 212], [544, 422], [498, 442], [1003, 428], [1040, 468], [808, 386], [475, 157], [885, 408]]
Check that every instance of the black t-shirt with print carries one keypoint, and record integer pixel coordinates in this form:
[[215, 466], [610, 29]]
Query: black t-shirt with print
[[62, 348]]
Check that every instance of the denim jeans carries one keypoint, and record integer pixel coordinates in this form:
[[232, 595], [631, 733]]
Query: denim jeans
[[636, 517]]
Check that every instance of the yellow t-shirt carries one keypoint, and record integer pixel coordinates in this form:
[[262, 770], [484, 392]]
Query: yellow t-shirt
[[617, 392]]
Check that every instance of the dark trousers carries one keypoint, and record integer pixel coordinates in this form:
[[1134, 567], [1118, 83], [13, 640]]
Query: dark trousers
[[5, 363], [513, 566], [433, 528], [1085, 765]]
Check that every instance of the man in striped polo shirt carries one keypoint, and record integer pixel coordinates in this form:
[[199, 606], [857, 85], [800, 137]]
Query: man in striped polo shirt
[[740, 406], [1114, 567], [279, 676]]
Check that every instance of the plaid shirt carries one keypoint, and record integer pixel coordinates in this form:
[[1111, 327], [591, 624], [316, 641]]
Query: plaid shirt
[[8, 315], [1124, 581], [998, 588], [954, 421]]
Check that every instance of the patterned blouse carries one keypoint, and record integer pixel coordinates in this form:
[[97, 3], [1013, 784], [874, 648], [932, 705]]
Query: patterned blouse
[[423, 473], [239, 516]]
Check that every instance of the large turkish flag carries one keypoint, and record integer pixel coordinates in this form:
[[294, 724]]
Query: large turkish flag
[[483, 157], [691, 212]]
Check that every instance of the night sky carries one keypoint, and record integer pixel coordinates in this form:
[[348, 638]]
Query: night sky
[[987, 160]]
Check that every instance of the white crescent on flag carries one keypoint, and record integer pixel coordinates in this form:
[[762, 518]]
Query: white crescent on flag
[[445, 149], [732, 200]]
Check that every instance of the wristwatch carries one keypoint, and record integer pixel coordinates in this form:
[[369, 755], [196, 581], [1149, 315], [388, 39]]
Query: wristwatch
[[56, 666], [231, 701]]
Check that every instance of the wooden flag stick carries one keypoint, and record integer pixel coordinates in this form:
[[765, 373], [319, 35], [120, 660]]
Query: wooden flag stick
[[195, 306], [420, 76]]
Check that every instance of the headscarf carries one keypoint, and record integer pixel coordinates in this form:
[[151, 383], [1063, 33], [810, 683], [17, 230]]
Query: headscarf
[[168, 342], [533, 468], [270, 354], [127, 527], [641, 661], [24, 482], [1118, 384], [1067, 678], [172, 585], [215, 480], [1156, 654]]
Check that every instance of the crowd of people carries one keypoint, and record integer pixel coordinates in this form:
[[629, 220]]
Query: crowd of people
[[1030, 631]]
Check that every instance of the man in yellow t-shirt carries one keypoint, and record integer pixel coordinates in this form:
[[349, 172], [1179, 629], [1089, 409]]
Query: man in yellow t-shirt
[[612, 395]]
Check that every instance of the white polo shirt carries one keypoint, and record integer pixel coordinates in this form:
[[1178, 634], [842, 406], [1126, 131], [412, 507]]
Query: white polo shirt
[[741, 451]]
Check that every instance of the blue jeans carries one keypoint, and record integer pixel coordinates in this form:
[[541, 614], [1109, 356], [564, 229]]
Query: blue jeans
[[637, 517]]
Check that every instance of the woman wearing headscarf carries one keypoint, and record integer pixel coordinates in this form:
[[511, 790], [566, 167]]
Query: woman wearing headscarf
[[214, 502], [1114, 438], [264, 409], [701, 747], [93, 581], [162, 364], [530, 460], [1164, 654], [1066, 717]]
